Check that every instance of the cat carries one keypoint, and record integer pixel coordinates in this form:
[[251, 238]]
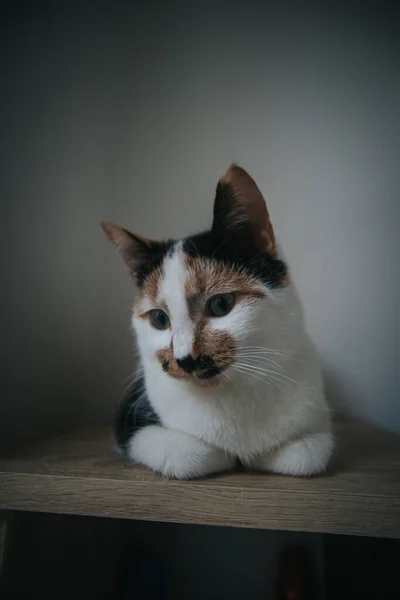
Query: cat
[[229, 372]]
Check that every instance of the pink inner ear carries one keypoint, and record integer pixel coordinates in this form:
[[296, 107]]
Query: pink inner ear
[[246, 201]]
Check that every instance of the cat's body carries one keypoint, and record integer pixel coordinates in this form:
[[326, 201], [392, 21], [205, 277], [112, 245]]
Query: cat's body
[[228, 370]]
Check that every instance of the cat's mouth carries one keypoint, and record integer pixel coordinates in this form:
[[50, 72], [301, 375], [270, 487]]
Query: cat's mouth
[[201, 371], [207, 378], [209, 373], [199, 379]]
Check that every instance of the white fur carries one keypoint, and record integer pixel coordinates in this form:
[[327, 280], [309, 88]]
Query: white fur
[[172, 292], [280, 425], [304, 456], [176, 453]]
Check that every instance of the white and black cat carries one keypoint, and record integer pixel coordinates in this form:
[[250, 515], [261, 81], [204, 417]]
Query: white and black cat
[[228, 370]]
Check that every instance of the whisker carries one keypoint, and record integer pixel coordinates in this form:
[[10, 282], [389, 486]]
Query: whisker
[[248, 372], [127, 390], [194, 246], [266, 372], [230, 379], [266, 350], [267, 379], [260, 353], [216, 249], [269, 372], [288, 355], [132, 375], [255, 356], [135, 408], [260, 360], [132, 383]]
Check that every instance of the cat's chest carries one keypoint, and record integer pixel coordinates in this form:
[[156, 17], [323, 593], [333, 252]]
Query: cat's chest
[[239, 423]]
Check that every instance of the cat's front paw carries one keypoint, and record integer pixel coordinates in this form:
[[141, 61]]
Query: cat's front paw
[[176, 454], [308, 455]]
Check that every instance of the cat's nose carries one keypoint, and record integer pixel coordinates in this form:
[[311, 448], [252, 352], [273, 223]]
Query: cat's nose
[[188, 363]]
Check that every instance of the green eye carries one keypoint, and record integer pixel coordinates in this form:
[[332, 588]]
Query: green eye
[[159, 319], [221, 305]]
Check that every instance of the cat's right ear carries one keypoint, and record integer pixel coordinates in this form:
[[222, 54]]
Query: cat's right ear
[[133, 249]]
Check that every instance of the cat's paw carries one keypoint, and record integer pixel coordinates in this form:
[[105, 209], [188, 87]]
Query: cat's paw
[[308, 455], [176, 453]]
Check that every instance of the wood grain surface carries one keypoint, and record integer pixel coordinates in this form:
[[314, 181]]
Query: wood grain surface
[[80, 474]]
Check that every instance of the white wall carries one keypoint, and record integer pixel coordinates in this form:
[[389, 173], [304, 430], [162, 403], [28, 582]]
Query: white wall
[[132, 112]]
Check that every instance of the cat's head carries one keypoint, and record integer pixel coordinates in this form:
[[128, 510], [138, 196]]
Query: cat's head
[[202, 300]]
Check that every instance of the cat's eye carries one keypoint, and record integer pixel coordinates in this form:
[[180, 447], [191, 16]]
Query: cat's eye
[[159, 319], [221, 305]]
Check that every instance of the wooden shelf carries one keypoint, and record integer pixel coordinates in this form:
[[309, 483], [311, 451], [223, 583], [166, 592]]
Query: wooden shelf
[[80, 474]]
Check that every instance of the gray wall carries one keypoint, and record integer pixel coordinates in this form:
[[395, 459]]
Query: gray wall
[[132, 112]]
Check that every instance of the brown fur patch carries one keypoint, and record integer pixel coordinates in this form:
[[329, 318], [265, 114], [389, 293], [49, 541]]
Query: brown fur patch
[[204, 279], [169, 364], [149, 290], [209, 277], [218, 344], [151, 284]]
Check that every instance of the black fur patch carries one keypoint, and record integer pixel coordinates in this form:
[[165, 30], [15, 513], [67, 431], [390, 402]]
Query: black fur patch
[[210, 373], [134, 413], [205, 361], [155, 255], [188, 363], [237, 255], [165, 366], [204, 364]]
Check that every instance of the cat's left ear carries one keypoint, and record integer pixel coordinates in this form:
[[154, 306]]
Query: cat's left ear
[[240, 211], [134, 250]]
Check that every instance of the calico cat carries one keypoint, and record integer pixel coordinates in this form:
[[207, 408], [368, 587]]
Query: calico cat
[[229, 372]]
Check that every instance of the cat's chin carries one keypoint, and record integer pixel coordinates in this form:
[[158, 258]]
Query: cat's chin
[[203, 382], [211, 382], [206, 383]]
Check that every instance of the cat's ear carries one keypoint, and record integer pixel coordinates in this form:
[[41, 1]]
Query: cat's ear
[[133, 249], [240, 211]]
